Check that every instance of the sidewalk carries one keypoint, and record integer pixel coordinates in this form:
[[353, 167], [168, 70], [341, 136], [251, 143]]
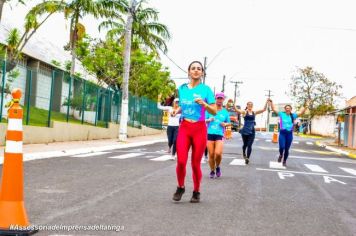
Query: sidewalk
[[330, 145], [57, 149]]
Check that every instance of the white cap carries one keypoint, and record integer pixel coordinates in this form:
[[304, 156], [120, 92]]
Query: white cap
[[176, 100]]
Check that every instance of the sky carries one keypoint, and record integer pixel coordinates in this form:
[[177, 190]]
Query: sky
[[258, 42]]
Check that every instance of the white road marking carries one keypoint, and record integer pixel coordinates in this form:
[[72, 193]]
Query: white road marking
[[307, 173], [333, 159], [282, 175], [268, 140], [328, 180], [310, 143], [256, 139], [238, 162], [296, 142], [162, 158], [276, 165], [348, 170], [315, 168], [91, 154], [128, 155]]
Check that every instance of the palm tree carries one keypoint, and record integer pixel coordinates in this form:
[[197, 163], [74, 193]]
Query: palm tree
[[146, 30], [139, 29], [75, 10]]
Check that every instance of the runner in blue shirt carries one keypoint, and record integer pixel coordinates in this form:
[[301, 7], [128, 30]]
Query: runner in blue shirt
[[216, 128], [194, 99], [286, 124]]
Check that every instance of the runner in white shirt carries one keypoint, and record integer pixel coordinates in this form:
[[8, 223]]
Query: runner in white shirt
[[173, 124]]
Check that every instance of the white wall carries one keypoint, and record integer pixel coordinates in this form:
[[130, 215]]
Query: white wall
[[43, 91], [324, 125]]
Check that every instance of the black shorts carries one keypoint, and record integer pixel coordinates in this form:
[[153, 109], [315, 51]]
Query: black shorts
[[214, 137]]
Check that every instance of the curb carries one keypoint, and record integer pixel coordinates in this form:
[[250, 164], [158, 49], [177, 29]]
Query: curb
[[348, 154], [63, 153]]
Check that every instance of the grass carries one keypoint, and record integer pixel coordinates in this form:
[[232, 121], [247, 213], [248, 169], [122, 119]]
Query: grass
[[39, 117]]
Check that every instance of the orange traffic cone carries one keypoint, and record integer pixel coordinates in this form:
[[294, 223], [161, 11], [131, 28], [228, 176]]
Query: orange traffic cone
[[13, 217], [275, 135], [228, 132]]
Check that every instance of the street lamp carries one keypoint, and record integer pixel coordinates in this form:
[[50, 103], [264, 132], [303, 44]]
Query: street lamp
[[205, 62]]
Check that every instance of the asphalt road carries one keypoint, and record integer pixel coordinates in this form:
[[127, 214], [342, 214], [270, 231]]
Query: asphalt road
[[132, 189]]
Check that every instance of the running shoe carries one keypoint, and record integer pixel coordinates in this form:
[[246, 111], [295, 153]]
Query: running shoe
[[178, 194], [212, 174], [279, 158], [247, 160], [218, 171], [195, 198], [284, 164]]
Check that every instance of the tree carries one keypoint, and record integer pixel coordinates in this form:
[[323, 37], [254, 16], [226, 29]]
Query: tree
[[311, 85], [148, 77], [16, 43], [2, 3], [74, 11], [137, 18], [146, 32]]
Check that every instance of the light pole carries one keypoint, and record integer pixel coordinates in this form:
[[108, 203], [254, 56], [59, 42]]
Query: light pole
[[206, 66], [236, 85]]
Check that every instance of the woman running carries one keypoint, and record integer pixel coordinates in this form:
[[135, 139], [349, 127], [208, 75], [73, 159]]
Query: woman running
[[173, 124], [286, 124], [194, 99], [216, 125], [248, 130]]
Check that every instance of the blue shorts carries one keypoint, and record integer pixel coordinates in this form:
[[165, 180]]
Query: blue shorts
[[214, 137]]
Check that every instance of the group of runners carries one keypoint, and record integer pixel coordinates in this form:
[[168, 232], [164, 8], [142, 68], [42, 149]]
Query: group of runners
[[197, 120]]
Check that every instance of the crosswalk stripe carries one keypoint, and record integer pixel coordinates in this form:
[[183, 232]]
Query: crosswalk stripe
[[276, 165], [162, 158], [309, 143], [128, 155], [91, 154], [315, 168], [348, 170], [238, 162]]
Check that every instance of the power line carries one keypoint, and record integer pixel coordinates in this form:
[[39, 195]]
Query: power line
[[175, 63]]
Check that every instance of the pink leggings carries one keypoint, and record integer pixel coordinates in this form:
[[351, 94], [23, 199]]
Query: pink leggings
[[195, 135]]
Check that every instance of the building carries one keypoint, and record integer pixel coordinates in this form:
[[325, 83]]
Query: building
[[38, 76], [273, 119], [350, 123]]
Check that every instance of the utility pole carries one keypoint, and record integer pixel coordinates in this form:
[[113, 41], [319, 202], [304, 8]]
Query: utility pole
[[204, 75], [223, 85], [268, 109], [236, 85]]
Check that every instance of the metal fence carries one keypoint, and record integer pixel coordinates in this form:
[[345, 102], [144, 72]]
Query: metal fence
[[51, 94]]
